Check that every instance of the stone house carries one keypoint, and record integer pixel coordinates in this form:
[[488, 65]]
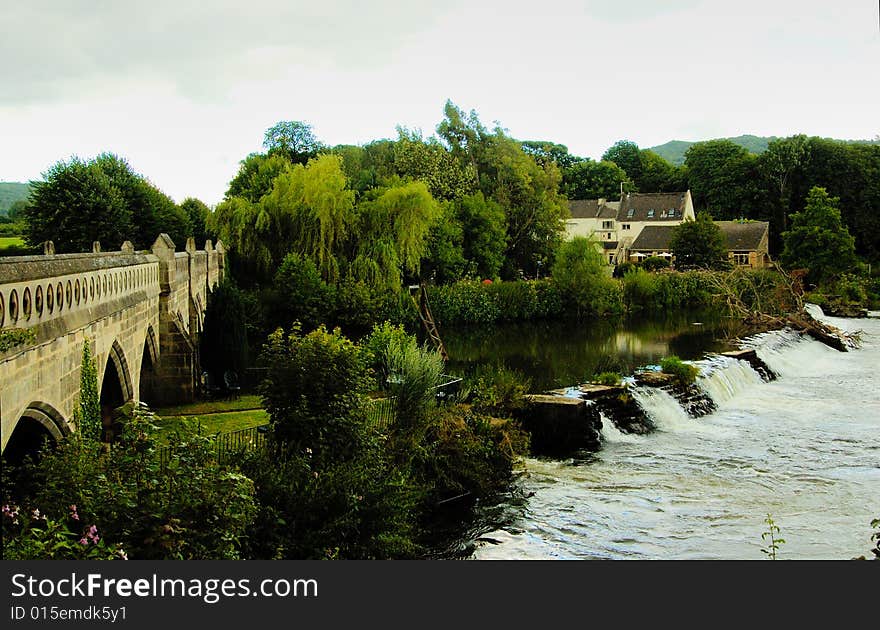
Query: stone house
[[747, 243], [617, 225]]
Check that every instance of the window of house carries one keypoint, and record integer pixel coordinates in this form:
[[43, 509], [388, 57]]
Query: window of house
[[610, 259], [625, 226], [630, 213], [741, 258], [607, 225], [650, 213], [663, 214], [671, 212]]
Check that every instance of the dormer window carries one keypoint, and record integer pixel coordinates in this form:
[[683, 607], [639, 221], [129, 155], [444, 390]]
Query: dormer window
[[630, 213], [672, 212], [651, 213]]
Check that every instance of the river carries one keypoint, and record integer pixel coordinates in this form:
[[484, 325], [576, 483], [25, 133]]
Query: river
[[804, 448]]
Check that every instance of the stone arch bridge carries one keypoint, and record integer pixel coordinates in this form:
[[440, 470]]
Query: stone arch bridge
[[141, 311]]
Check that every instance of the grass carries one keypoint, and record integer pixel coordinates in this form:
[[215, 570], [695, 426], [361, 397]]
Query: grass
[[11, 241], [204, 407], [212, 416]]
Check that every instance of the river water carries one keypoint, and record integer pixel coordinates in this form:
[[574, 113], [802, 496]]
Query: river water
[[804, 448]]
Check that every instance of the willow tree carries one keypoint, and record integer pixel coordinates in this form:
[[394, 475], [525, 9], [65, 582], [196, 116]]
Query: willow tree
[[392, 234], [307, 211]]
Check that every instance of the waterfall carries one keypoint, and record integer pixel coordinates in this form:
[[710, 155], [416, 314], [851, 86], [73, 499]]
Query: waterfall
[[662, 408], [724, 377], [612, 435]]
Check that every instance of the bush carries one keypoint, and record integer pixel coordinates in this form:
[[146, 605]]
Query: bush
[[498, 391], [655, 263], [585, 279], [188, 508], [611, 379], [685, 373]]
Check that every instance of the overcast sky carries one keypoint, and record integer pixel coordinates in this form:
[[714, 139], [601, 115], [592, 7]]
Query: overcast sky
[[185, 90]]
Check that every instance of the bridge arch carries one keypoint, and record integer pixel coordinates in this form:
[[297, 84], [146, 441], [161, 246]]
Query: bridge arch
[[149, 384], [38, 422], [116, 390]]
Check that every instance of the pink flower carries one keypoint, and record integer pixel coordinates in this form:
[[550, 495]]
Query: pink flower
[[83, 541], [73, 513]]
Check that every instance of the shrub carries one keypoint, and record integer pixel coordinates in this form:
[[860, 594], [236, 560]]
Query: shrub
[[685, 373], [188, 508], [585, 279], [498, 391], [655, 263], [611, 379]]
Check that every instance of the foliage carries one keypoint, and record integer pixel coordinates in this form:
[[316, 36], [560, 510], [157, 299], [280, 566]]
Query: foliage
[[377, 347], [593, 180], [188, 508], [818, 240], [223, 343], [699, 244], [655, 263], [626, 155], [723, 178], [656, 293], [470, 302], [88, 411], [327, 482], [585, 279], [468, 453], [292, 139], [198, 215], [443, 261], [685, 373], [255, 176], [299, 293], [100, 200], [612, 379], [315, 390], [30, 535], [498, 391], [771, 536], [484, 234], [13, 337]]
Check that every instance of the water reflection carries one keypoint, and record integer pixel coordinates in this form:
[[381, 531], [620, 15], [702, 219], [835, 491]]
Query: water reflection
[[559, 354]]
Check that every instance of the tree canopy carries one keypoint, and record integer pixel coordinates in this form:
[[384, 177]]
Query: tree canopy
[[818, 239], [699, 244]]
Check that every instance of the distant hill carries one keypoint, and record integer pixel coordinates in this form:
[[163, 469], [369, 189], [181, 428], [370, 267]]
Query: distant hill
[[674, 150], [11, 192]]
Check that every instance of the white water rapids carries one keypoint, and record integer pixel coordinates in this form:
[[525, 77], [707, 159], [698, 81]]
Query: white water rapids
[[804, 448]]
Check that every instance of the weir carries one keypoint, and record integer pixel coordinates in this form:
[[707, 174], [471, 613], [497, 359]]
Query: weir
[[650, 400]]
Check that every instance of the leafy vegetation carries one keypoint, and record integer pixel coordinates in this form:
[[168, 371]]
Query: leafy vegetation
[[685, 373]]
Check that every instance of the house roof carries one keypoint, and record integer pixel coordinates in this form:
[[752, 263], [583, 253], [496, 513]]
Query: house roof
[[653, 238], [743, 236], [583, 208], [651, 206], [593, 209]]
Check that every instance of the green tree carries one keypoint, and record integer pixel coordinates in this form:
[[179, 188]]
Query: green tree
[[292, 139], [591, 180], [818, 240], [583, 275], [626, 155], [74, 205], [484, 234], [699, 244], [197, 213], [545, 151], [723, 179], [223, 344], [256, 175], [658, 175], [444, 260], [430, 162], [300, 293]]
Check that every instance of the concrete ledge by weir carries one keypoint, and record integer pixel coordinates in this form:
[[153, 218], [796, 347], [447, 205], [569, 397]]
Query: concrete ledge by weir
[[558, 424]]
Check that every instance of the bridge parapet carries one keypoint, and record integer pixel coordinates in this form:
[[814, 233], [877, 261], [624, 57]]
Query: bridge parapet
[[41, 291]]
